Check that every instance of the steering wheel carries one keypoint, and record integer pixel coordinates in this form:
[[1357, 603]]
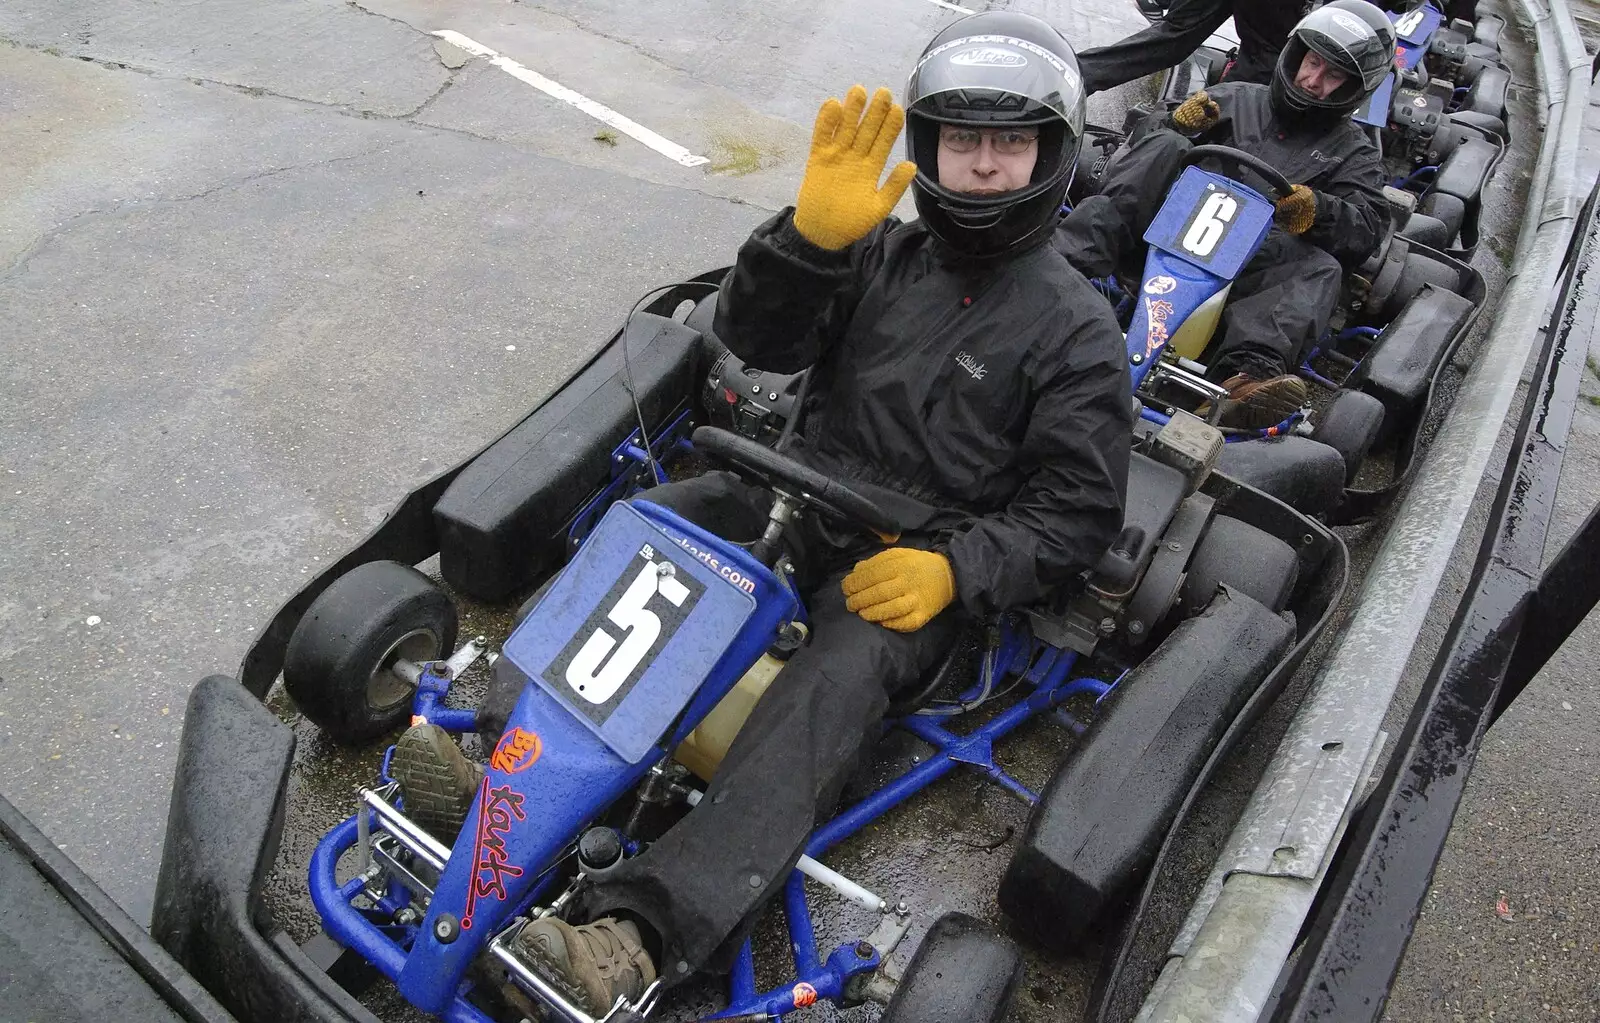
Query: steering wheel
[[1239, 158], [758, 464]]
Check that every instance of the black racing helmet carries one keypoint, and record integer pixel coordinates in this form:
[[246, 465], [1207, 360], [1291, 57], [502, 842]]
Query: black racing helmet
[[991, 70], [1353, 36]]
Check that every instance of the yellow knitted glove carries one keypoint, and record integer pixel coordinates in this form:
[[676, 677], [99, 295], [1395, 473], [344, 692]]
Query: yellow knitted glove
[[1197, 113], [840, 201], [1297, 210], [901, 588]]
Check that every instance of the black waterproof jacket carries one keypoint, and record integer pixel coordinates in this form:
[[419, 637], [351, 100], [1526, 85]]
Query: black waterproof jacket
[[1263, 27], [985, 406], [1334, 158]]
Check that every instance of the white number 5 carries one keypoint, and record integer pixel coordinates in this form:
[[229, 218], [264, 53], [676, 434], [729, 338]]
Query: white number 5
[[1216, 213], [597, 682]]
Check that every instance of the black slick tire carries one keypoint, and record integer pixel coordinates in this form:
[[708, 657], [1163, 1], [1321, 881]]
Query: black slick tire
[[963, 972], [336, 666], [1350, 425], [1249, 559]]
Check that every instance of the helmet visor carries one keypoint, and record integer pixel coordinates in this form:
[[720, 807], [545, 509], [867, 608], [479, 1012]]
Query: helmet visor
[[984, 79]]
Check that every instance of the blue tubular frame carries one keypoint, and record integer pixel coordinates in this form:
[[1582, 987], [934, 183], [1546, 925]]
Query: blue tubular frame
[[1150, 415], [630, 461], [1048, 670]]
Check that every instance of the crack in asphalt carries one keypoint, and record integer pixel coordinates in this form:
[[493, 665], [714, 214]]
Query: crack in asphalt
[[256, 91], [346, 109], [630, 44], [425, 104], [136, 205]]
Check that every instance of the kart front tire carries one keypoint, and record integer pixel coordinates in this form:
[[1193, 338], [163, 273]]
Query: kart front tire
[[337, 667], [963, 972]]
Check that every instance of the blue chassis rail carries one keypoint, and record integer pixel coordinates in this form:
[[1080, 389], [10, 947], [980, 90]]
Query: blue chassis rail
[[1047, 669]]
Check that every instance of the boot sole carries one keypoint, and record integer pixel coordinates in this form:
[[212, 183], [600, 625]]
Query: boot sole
[[438, 786]]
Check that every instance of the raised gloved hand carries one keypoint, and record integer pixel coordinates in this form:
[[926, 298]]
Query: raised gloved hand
[[1197, 113], [1296, 211], [840, 201], [901, 588]]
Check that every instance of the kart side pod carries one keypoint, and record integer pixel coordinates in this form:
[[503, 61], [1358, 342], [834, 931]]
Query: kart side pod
[[502, 522], [1108, 806], [1401, 366]]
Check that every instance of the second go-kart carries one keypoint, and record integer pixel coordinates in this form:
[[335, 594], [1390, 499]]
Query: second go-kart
[[1442, 126], [1208, 228], [644, 644]]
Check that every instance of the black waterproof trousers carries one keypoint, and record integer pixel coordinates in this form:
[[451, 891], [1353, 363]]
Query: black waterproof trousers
[[698, 887], [1281, 301]]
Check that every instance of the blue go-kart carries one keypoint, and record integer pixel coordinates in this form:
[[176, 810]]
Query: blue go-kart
[[1347, 453], [1441, 123], [647, 639]]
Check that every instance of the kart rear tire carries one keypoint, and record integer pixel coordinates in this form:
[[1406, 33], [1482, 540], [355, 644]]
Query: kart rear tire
[[335, 668], [1251, 560], [1350, 425], [963, 972]]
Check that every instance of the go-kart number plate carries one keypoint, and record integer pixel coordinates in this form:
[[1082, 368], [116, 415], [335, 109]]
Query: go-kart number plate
[[1211, 221], [629, 631], [625, 633], [1415, 26]]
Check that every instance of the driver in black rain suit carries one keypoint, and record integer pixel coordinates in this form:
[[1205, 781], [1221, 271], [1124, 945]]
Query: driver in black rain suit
[[1300, 125], [968, 379], [1263, 27]]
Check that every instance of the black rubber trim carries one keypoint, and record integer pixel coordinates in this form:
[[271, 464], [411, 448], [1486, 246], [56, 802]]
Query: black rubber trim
[[222, 837], [183, 993]]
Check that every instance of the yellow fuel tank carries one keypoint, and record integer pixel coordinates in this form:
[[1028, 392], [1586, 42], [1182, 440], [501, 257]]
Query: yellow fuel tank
[[702, 750]]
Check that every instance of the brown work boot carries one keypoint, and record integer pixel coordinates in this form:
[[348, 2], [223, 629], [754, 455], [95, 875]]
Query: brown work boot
[[437, 781], [592, 964], [1257, 404]]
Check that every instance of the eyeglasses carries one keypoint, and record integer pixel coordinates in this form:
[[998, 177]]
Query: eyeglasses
[[1009, 141]]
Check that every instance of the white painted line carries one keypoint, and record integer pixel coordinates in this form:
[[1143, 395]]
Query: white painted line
[[599, 111], [952, 7]]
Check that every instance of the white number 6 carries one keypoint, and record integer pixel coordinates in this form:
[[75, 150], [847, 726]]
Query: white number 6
[[596, 682], [1216, 213]]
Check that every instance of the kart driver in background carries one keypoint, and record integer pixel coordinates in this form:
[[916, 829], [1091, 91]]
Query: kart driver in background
[[1263, 27], [966, 378], [1300, 124]]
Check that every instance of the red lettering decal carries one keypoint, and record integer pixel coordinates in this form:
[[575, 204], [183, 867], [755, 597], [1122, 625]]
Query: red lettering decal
[[497, 810], [516, 751], [1158, 309]]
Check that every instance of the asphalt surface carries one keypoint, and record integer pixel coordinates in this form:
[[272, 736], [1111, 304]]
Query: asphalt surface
[[264, 266], [1509, 930]]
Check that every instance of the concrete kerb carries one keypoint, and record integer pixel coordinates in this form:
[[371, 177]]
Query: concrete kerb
[[1226, 959]]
